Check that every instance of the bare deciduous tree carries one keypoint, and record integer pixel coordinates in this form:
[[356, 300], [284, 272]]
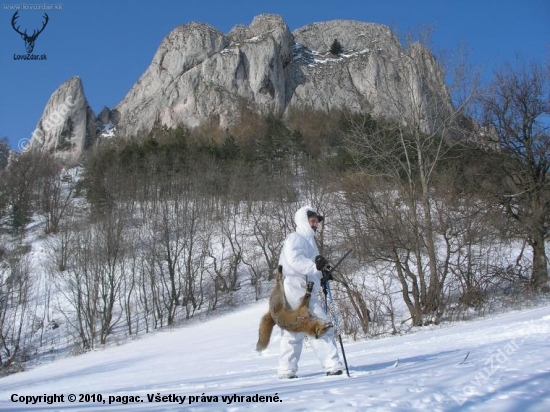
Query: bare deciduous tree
[[93, 279], [516, 110], [404, 153], [16, 289], [55, 189]]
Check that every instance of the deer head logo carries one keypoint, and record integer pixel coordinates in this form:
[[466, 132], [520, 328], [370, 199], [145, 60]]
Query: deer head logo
[[29, 40]]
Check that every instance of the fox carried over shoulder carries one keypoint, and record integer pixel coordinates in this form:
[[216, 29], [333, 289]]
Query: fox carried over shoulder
[[297, 320]]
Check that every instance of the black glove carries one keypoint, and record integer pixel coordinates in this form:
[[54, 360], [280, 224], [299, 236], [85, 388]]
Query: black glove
[[321, 262], [327, 275]]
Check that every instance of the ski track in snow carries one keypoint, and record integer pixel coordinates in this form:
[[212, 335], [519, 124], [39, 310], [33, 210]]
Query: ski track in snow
[[217, 358]]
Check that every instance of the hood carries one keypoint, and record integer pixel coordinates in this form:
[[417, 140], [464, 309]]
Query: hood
[[302, 223]]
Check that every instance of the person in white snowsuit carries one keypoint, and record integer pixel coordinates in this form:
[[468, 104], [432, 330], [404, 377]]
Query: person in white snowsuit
[[297, 258]]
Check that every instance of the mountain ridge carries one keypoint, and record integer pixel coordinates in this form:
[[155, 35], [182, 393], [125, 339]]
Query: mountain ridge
[[199, 73]]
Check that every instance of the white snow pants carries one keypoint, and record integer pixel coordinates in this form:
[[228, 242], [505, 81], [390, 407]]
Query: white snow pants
[[291, 344]]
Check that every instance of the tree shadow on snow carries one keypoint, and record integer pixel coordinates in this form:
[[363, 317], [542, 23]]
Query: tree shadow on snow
[[373, 367]]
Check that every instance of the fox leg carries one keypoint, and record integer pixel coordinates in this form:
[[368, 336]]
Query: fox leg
[[315, 327], [302, 310], [307, 295]]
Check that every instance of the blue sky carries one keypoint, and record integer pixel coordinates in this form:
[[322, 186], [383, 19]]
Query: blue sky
[[109, 44]]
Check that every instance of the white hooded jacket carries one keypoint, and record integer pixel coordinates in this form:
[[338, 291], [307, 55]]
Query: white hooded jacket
[[297, 259]]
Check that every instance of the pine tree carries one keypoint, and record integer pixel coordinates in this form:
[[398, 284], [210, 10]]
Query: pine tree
[[336, 48], [4, 152], [229, 149]]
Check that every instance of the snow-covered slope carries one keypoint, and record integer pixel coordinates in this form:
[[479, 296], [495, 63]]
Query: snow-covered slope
[[508, 369]]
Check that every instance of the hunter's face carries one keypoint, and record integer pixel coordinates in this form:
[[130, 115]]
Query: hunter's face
[[314, 223]]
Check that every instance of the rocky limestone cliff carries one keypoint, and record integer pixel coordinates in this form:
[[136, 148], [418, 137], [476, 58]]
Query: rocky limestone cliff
[[68, 125], [199, 73], [373, 73]]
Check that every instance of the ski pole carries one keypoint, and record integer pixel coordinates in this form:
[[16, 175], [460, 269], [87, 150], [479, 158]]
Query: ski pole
[[336, 325], [327, 275]]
